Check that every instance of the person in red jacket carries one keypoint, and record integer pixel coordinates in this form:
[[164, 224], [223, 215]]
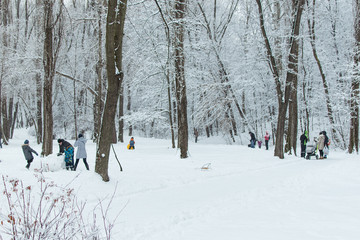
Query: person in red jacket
[[267, 138]]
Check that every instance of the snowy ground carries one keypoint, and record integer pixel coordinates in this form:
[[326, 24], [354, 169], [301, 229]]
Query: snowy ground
[[247, 194]]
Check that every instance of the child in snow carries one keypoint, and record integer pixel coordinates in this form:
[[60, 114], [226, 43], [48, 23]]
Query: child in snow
[[132, 143], [81, 151], [259, 143], [27, 150], [68, 149]]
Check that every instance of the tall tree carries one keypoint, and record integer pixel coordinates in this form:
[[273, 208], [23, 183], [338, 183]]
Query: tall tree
[[114, 47], [51, 51], [282, 96], [181, 98], [98, 103], [292, 76], [354, 99], [166, 70], [5, 11]]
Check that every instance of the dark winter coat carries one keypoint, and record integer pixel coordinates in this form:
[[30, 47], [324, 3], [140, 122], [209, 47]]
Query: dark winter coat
[[252, 135], [64, 145], [28, 152], [81, 151], [304, 139]]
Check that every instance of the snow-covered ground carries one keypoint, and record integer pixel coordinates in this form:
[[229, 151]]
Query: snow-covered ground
[[246, 194]]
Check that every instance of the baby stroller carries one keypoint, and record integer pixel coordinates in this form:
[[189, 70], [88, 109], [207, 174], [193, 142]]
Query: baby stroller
[[311, 150]]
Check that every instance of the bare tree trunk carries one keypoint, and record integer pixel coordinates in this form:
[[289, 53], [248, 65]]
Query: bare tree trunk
[[183, 135], [283, 97], [292, 77], [10, 116], [5, 20], [49, 61], [354, 104], [98, 103], [128, 107], [75, 105], [39, 108], [167, 74], [14, 120], [114, 39], [38, 80], [47, 146], [121, 114], [5, 123]]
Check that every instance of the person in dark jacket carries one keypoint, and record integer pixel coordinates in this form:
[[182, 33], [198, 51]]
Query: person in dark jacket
[[27, 150], [252, 140], [304, 138], [68, 149], [81, 151]]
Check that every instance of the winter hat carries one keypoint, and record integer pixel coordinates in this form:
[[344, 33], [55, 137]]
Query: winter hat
[[60, 140], [80, 135], [26, 141]]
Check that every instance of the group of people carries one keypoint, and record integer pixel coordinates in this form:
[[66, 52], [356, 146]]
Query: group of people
[[322, 142], [253, 140], [66, 148]]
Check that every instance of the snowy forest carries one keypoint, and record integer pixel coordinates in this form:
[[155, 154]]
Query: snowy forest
[[177, 69]]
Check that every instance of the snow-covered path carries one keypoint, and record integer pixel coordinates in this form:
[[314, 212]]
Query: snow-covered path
[[247, 194], [291, 199]]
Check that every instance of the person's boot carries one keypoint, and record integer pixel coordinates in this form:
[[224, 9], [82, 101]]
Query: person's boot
[[87, 166]]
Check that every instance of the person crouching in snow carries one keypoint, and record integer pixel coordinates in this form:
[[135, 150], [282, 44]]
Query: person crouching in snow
[[132, 143], [28, 153], [68, 149]]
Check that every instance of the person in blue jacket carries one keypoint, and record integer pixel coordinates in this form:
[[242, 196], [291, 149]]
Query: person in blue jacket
[[68, 149], [132, 143]]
